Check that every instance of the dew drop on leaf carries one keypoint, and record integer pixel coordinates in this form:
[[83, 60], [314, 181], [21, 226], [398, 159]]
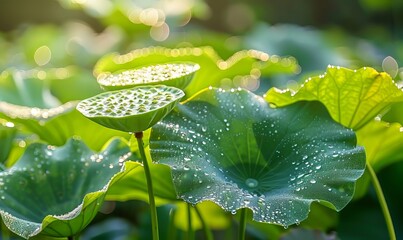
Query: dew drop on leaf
[[251, 182]]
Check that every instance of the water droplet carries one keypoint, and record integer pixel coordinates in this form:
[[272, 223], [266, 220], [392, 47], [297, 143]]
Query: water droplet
[[312, 181], [318, 167], [251, 182], [186, 168]]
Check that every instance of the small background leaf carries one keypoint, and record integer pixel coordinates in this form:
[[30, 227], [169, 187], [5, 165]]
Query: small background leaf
[[7, 135], [383, 143], [134, 186]]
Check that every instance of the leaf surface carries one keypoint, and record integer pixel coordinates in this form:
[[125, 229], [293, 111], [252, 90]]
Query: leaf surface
[[232, 148]]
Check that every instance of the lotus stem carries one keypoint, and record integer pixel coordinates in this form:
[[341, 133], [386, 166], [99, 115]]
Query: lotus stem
[[382, 202], [153, 208], [190, 229], [242, 225], [172, 229], [207, 232]]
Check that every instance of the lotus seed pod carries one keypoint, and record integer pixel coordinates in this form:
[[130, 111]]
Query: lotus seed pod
[[131, 110], [171, 74]]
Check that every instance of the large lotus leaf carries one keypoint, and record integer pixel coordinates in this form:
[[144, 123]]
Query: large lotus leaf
[[232, 148], [352, 97], [131, 110], [58, 191], [383, 143], [213, 69], [56, 125], [171, 74]]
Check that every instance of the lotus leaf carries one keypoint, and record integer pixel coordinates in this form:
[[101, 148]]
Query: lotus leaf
[[56, 192], [352, 97], [232, 148]]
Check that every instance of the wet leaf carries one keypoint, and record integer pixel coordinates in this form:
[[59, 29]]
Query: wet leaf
[[232, 148], [171, 74], [131, 110], [352, 97], [213, 68], [58, 191]]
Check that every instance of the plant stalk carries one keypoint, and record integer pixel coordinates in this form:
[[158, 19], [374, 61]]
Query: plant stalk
[[153, 208], [190, 229], [207, 232], [382, 202], [172, 228], [242, 225]]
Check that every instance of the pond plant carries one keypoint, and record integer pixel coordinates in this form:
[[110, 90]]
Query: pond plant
[[176, 116]]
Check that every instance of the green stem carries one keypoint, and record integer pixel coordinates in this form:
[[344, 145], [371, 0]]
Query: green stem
[[76, 237], [242, 225], [382, 202], [153, 208], [172, 228], [207, 232], [190, 229]]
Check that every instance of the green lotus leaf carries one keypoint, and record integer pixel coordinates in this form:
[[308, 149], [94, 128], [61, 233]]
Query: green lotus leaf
[[171, 74], [7, 134], [383, 143], [232, 148], [131, 110], [352, 97], [213, 69], [58, 191]]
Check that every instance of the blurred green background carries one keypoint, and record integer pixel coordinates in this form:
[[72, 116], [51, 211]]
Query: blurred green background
[[74, 34]]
